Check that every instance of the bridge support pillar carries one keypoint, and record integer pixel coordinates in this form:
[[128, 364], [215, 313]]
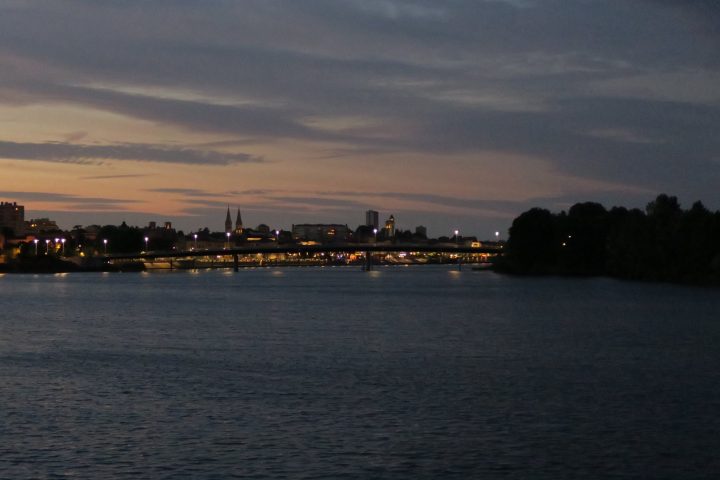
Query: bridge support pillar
[[236, 263]]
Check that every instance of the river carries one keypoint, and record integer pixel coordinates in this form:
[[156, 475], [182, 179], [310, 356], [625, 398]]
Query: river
[[402, 372]]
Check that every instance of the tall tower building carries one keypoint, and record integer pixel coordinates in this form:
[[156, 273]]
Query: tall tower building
[[390, 226], [371, 219], [228, 222], [238, 223]]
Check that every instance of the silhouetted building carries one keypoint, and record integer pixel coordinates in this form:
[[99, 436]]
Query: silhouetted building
[[37, 226], [390, 227], [372, 219], [161, 238], [12, 216], [421, 231], [317, 232]]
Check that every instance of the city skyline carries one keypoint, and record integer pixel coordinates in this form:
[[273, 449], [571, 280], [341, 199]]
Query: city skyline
[[31, 223], [453, 116]]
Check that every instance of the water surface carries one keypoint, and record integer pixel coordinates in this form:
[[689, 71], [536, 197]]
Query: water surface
[[420, 372]]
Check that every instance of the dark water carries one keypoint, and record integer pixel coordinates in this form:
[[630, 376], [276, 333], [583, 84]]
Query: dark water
[[336, 373]]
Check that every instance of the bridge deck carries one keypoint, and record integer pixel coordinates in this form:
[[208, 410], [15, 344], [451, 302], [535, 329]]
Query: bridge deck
[[341, 248]]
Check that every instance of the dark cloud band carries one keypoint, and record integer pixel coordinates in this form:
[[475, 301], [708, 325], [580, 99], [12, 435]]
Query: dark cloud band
[[93, 154]]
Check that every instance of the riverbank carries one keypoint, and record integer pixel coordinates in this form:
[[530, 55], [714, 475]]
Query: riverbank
[[52, 265]]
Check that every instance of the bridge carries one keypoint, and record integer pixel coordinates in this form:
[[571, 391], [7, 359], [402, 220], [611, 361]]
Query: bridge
[[367, 249]]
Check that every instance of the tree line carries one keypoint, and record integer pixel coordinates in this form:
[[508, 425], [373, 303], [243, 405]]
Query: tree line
[[661, 243]]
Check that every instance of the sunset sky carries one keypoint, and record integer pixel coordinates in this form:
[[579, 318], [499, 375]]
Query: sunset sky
[[449, 114]]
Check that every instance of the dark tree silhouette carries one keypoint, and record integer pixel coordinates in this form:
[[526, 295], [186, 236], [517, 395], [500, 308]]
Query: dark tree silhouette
[[532, 245], [663, 243]]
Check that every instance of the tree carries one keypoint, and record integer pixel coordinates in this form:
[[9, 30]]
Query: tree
[[122, 239], [533, 243], [583, 239]]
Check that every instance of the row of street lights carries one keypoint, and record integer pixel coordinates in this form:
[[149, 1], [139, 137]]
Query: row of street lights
[[62, 242], [195, 238], [47, 245]]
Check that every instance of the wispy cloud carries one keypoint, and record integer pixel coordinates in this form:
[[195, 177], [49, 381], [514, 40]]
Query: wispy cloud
[[113, 177], [96, 154], [188, 192], [64, 198]]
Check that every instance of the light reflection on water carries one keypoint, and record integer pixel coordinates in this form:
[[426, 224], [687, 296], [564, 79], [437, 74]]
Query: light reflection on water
[[420, 372]]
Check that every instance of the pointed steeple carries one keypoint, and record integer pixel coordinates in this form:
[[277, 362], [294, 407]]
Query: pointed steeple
[[228, 221], [238, 223]]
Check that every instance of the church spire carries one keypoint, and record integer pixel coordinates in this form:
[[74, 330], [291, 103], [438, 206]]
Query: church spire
[[238, 223], [228, 221]]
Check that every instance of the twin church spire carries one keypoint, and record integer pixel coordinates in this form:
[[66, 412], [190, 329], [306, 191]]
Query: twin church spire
[[238, 223]]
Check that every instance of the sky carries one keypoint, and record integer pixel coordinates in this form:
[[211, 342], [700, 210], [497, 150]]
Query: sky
[[454, 114]]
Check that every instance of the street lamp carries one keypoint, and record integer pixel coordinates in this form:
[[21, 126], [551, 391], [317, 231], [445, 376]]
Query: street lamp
[[195, 237], [457, 244], [497, 237], [146, 243], [375, 234], [47, 246], [277, 236], [36, 249], [105, 244], [62, 240], [228, 239]]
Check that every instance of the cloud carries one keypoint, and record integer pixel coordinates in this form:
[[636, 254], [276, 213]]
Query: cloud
[[114, 177], [611, 91], [63, 198], [188, 192], [74, 137], [95, 154]]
